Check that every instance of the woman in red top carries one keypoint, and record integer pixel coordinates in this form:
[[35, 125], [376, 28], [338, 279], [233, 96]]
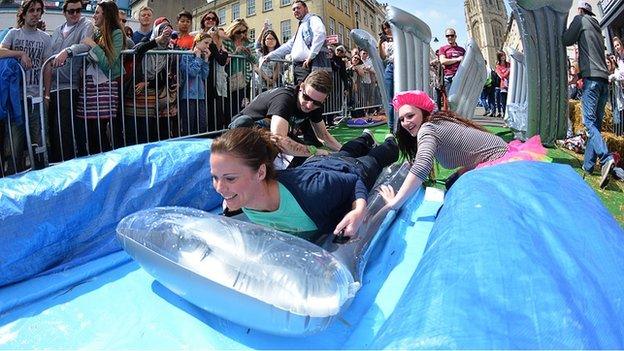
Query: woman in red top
[[502, 70]]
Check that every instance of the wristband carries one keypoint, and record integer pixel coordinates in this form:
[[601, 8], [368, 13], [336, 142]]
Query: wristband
[[312, 150]]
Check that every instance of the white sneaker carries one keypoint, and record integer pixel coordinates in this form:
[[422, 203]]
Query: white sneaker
[[605, 172]]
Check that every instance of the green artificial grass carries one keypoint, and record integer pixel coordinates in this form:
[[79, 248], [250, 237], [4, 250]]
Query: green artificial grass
[[612, 196]]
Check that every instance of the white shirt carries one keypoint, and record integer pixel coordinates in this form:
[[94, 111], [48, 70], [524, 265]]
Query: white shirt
[[312, 31]]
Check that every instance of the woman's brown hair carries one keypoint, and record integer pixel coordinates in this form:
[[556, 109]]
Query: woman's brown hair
[[110, 12], [252, 145]]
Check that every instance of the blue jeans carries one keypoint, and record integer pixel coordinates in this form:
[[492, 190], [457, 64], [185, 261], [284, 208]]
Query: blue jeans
[[593, 100], [389, 83]]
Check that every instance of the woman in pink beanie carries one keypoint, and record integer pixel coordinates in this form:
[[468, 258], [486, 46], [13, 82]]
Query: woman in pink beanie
[[455, 142]]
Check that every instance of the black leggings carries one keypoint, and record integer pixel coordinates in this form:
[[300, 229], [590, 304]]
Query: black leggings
[[369, 159]]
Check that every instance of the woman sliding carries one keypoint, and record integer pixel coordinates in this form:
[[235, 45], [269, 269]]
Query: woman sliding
[[424, 135], [327, 194]]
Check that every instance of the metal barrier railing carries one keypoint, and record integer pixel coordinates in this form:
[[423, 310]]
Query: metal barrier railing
[[161, 94], [618, 111], [13, 131]]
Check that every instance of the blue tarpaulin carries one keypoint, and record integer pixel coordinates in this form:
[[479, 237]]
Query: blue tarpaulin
[[521, 255]]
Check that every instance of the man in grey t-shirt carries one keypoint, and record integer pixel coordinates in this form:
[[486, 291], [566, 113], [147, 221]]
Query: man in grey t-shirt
[[32, 47]]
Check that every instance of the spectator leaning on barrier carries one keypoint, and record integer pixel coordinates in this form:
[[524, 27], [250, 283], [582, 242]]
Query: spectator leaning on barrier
[[240, 69], [123, 18], [450, 56], [32, 47], [585, 31], [185, 40], [66, 42], [288, 108], [217, 78], [146, 21], [193, 72], [101, 80], [307, 46], [269, 72]]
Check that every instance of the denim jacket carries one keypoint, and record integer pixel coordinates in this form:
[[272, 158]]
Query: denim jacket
[[193, 74]]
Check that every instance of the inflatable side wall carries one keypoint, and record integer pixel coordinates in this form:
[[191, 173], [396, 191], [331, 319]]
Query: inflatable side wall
[[468, 81], [411, 51], [541, 24], [516, 117]]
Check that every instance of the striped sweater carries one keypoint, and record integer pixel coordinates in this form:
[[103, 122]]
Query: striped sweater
[[454, 145]]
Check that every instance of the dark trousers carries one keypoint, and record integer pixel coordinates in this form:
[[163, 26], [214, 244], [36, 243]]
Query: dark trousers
[[61, 124], [369, 159]]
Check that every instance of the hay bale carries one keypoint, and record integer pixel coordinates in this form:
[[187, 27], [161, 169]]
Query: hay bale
[[576, 117], [614, 142]]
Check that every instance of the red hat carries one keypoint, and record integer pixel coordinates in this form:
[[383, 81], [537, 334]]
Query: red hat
[[415, 98], [160, 20]]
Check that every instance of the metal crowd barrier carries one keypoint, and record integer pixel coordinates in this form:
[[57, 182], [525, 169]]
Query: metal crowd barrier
[[618, 112], [16, 156], [85, 118]]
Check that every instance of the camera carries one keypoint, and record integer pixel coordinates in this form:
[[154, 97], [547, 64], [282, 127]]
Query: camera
[[174, 35], [212, 30]]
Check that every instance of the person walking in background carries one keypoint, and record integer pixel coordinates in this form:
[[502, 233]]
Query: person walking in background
[[585, 31], [450, 56], [307, 46], [500, 91], [386, 51]]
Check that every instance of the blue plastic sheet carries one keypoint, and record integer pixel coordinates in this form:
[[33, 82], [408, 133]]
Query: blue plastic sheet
[[65, 215], [522, 256]]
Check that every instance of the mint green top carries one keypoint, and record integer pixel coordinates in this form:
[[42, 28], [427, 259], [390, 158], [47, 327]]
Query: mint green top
[[289, 216], [115, 67]]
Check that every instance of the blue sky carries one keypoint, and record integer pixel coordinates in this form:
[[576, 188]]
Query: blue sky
[[439, 15]]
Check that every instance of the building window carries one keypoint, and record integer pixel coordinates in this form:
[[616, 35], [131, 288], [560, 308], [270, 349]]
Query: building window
[[339, 4], [251, 7], [285, 28], [332, 26], [221, 14], [341, 33], [347, 38], [347, 7], [285, 2], [235, 11], [252, 34], [372, 22], [365, 18], [268, 5]]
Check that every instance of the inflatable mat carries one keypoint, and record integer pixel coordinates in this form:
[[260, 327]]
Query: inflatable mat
[[366, 122], [522, 255]]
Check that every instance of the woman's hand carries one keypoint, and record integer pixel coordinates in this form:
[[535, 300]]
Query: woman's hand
[[26, 61], [387, 193], [89, 41], [164, 38], [138, 89], [352, 221]]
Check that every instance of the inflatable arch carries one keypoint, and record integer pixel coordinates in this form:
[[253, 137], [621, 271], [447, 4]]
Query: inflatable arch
[[541, 24], [516, 117], [468, 81]]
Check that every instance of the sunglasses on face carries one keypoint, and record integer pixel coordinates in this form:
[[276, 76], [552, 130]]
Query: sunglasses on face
[[74, 11], [450, 35], [242, 31], [307, 97], [210, 18]]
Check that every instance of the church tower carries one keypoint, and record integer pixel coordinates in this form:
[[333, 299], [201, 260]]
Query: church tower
[[487, 24]]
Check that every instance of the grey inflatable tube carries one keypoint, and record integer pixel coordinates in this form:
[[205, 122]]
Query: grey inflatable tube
[[252, 275]]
